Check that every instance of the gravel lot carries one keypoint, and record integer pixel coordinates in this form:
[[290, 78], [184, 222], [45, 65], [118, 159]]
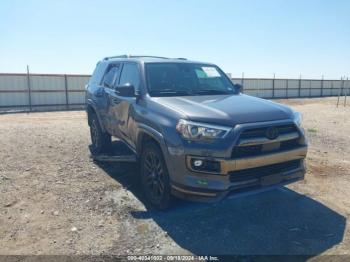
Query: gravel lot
[[55, 200]]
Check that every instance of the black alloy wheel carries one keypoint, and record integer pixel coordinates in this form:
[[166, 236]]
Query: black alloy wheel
[[155, 178]]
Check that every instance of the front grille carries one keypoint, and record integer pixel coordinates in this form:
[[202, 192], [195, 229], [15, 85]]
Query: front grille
[[258, 172], [289, 144], [244, 151], [260, 132], [260, 149], [256, 150]]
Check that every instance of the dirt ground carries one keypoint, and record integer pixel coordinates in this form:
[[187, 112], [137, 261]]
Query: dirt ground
[[55, 200]]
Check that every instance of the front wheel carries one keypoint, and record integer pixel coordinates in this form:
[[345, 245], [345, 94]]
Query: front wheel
[[154, 177]]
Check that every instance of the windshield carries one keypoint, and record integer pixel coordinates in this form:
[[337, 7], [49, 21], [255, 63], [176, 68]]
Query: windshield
[[181, 79]]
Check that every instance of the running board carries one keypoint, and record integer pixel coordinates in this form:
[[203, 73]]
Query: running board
[[113, 158], [118, 152]]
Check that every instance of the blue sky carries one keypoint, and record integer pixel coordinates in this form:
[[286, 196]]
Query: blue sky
[[257, 37]]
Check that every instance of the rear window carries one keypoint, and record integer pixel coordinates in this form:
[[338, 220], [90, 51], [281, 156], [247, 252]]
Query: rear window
[[98, 74]]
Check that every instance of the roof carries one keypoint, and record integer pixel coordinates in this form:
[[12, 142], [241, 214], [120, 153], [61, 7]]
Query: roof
[[149, 59]]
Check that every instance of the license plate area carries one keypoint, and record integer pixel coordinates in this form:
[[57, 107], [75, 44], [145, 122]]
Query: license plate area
[[270, 180], [270, 147]]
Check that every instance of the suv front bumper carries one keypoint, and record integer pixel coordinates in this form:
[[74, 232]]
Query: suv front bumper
[[235, 175], [227, 170], [228, 165]]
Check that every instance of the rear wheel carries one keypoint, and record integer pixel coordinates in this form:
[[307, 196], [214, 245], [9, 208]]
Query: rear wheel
[[154, 176], [100, 140]]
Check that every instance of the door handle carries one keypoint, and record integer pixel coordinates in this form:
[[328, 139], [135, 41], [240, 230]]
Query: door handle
[[99, 92], [115, 100]]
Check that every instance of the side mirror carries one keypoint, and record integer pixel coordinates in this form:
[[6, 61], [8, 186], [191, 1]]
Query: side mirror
[[239, 87], [106, 83], [126, 90]]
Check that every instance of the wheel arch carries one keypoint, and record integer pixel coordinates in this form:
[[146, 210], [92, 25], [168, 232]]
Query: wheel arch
[[147, 134], [90, 110], [144, 137]]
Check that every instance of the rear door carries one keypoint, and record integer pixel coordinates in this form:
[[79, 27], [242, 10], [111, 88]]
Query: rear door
[[122, 108], [108, 83]]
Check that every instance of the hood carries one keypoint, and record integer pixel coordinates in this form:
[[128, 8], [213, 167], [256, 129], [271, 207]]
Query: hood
[[226, 109]]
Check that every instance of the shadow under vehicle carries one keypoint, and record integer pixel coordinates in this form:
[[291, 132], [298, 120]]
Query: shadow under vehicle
[[275, 222]]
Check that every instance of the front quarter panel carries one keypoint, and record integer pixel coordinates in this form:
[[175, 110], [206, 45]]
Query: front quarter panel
[[159, 122]]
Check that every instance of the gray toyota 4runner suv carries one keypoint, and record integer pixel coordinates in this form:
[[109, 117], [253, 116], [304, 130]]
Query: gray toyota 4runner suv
[[193, 132]]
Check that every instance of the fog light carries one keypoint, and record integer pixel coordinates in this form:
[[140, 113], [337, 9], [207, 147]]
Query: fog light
[[204, 165], [198, 163]]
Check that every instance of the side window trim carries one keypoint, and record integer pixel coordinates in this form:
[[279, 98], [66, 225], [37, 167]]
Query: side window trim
[[116, 80], [107, 70], [138, 71], [120, 74]]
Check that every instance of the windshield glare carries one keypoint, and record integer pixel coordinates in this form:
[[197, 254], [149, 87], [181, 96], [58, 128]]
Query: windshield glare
[[166, 79]]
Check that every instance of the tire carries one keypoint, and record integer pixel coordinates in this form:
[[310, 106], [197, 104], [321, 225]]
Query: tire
[[154, 177], [101, 141]]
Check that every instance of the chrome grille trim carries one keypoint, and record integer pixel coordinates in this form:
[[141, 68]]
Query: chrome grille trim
[[265, 140]]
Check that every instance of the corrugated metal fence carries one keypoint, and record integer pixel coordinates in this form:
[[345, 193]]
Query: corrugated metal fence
[[43, 92], [293, 88]]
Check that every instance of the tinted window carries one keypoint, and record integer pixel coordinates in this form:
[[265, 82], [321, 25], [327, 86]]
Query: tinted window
[[97, 74], [110, 76], [130, 75], [166, 79]]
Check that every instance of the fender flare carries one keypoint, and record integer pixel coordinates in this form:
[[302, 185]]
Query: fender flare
[[93, 107], [156, 135]]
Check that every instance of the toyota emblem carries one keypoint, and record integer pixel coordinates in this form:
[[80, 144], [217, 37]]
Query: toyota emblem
[[272, 133]]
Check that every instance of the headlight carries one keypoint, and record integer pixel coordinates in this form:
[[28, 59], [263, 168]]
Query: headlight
[[297, 118], [196, 131]]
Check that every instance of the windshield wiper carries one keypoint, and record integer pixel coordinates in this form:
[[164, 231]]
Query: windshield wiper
[[210, 92]]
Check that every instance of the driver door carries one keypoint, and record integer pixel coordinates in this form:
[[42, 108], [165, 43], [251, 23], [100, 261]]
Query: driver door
[[121, 108], [108, 83]]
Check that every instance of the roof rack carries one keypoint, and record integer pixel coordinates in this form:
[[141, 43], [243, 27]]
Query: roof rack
[[139, 56], [117, 56], [133, 56]]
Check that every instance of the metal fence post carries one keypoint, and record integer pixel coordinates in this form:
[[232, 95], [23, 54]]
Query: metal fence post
[[299, 86], [339, 93], [310, 88], [322, 86], [273, 86], [242, 82], [29, 90], [346, 90], [66, 91]]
